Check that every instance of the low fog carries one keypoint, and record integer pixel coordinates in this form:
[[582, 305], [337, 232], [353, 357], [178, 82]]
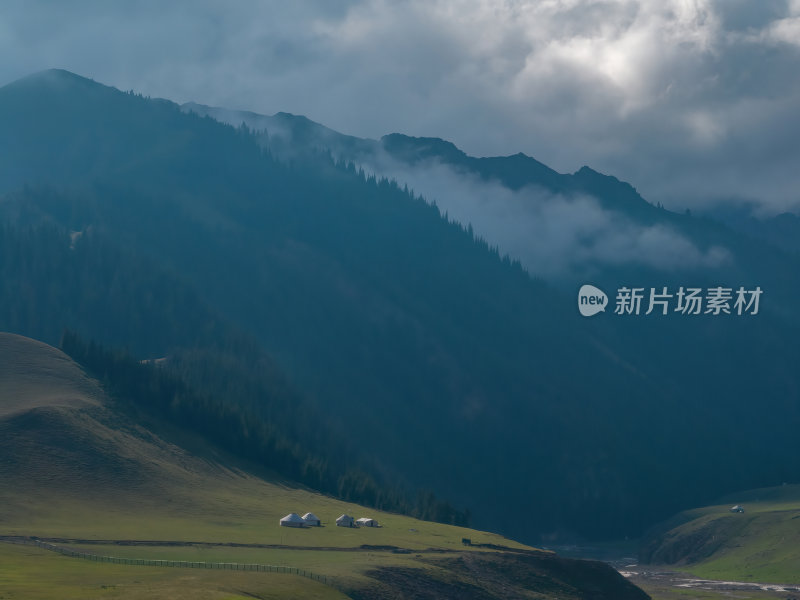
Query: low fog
[[553, 236]]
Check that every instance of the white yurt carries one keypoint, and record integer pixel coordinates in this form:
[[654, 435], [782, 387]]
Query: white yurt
[[366, 522], [292, 520], [311, 520], [344, 521]]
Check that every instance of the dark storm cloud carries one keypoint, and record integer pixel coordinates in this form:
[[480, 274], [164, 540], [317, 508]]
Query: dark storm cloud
[[692, 101]]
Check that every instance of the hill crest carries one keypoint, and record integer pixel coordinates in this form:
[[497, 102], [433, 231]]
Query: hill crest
[[35, 375]]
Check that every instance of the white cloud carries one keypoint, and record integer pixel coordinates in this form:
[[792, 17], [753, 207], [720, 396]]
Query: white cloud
[[785, 30], [553, 236]]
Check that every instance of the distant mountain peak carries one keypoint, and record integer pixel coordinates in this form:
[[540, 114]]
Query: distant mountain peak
[[413, 149], [57, 73], [288, 115], [288, 132], [63, 73], [55, 76]]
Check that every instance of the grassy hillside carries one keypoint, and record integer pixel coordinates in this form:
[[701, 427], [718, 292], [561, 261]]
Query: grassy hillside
[[69, 453], [34, 574], [39, 376], [80, 474], [762, 544]]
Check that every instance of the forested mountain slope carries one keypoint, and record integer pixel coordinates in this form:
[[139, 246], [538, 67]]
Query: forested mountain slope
[[419, 344]]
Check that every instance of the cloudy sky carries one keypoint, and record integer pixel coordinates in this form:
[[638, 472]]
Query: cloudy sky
[[692, 101]]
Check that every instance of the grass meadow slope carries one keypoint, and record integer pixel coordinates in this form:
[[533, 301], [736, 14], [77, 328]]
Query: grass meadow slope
[[80, 474], [761, 544]]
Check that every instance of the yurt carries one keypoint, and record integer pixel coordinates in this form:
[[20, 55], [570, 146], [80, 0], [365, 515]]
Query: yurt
[[311, 520], [344, 521], [366, 522], [292, 520]]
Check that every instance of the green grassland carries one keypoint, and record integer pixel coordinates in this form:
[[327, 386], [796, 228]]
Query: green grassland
[[33, 573], [669, 592], [243, 510], [342, 569], [762, 544], [78, 473], [234, 509]]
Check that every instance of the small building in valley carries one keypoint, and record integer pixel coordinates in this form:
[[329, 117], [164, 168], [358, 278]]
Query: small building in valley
[[367, 522], [344, 521], [292, 520], [311, 520]]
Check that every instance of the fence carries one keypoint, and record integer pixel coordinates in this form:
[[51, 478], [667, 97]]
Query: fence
[[183, 564]]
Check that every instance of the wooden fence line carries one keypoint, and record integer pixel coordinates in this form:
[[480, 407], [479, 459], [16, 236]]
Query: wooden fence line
[[166, 563]]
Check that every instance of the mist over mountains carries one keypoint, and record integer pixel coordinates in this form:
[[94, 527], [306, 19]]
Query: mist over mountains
[[560, 226], [404, 327]]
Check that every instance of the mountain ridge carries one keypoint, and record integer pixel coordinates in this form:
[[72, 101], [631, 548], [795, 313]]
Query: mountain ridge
[[514, 171]]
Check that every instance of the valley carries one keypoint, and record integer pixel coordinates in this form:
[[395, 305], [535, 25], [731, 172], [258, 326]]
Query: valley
[[420, 300], [254, 325]]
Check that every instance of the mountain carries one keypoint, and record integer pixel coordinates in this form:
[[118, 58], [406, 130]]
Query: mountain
[[781, 231], [79, 471], [288, 135], [53, 278], [590, 226], [716, 542], [395, 338]]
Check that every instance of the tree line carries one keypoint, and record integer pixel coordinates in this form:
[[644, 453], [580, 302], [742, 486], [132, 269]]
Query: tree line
[[244, 431]]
